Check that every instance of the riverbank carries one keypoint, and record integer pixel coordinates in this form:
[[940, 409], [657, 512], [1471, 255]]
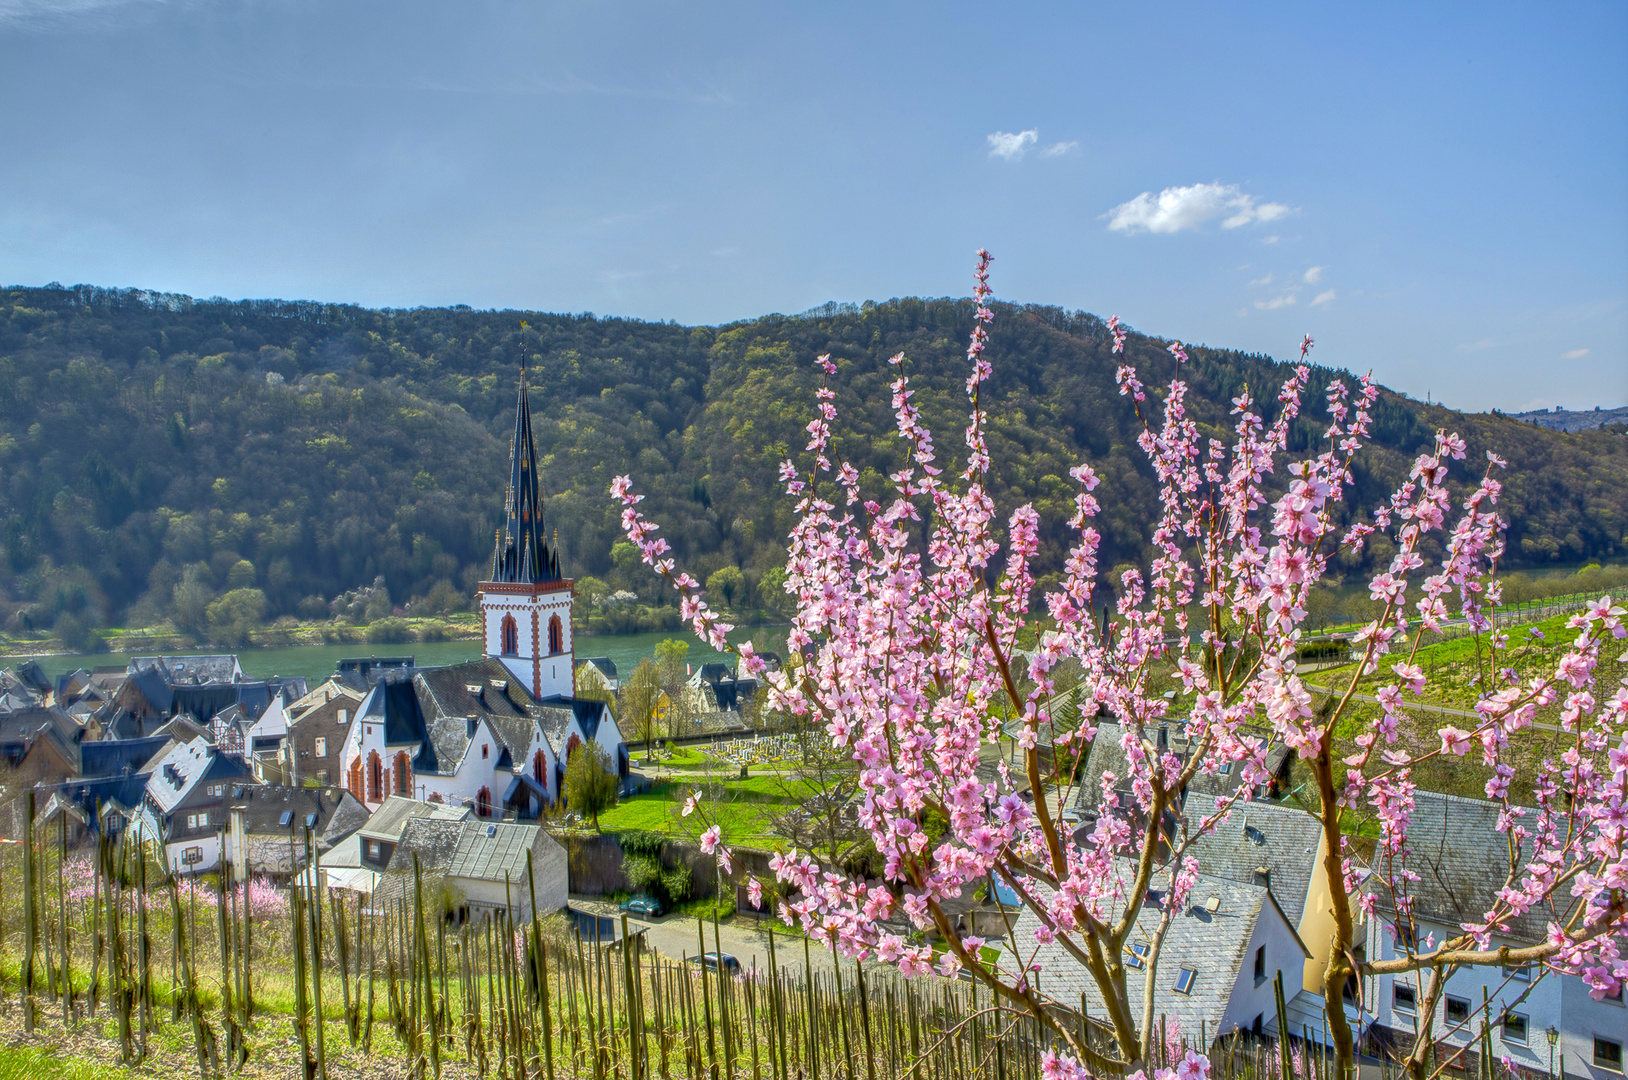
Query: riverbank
[[316, 661]]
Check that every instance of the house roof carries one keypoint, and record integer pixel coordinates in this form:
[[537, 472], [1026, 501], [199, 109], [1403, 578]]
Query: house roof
[[605, 665], [1108, 755], [485, 689], [555, 716], [360, 673], [1282, 839], [1214, 944], [274, 809], [474, 850], [390, 819], [179, 771], [33, 722], [1461, 858], [220, 667], [114, 757]]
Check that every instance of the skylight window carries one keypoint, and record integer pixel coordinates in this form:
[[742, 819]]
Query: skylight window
[[286, 819], [1137, 960], [1185, 980]]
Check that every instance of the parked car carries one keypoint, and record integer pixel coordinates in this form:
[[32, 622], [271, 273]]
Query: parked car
[[644, 905], [711, 962]]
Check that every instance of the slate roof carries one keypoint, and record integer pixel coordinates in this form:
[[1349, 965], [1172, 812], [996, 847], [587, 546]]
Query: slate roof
[[474, 850], [360, 673], [179, 772], [333, 813], [220, 667], [1106, 755], [1461, 858], [21, 727], [499, 697], [115, 757], [1215, 945], [555, 715], [1258, 834], [391, 818]]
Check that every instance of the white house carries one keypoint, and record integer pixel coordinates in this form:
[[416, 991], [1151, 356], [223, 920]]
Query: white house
[[481, 865], [184, 807], [1536, 1018]]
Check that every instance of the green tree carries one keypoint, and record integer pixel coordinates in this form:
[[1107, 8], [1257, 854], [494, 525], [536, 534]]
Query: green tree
[[241, 575], [727, 582], [671, 668], [591, 783], [189, 604], [234, 617], [641, 695]]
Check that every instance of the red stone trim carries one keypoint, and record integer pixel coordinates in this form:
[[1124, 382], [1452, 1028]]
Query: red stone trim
[[507, 588], [536, 657]]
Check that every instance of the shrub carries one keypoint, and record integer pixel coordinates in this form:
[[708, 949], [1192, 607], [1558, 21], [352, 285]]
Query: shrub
[[642, 842], [676, 884], [389, 631]]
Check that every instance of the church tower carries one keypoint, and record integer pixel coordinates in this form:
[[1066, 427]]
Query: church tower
[[526, 606]]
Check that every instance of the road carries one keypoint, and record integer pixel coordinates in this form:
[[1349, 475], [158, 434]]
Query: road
[[674, 936], [1439, 710]]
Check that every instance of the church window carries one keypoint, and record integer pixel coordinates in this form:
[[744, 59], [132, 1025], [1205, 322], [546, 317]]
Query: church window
[[356, 778], [537, 762], [556, 635], [511, 636], [375, 777], [483, 802], [404, 774]]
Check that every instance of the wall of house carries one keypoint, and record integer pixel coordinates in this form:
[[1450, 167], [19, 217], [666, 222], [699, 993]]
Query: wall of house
[[1317, 922], [1251, 997], [1582, 1019], [1539, 1001], [208, 849]]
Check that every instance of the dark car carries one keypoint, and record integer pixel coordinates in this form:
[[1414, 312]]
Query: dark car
[[644, 905], [711, 961]]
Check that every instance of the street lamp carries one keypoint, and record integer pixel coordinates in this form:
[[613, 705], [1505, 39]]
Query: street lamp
[[1554, 1037]]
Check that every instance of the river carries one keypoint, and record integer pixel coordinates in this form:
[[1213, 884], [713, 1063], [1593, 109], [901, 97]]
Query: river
[[317, 662]]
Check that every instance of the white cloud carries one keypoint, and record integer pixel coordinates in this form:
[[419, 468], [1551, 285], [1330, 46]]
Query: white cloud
[[1267, 280], [1476, 346], [1270, 239], [726, 252], [1011, 145], [1323, 298], [1057, 149], [1313, 276], [1286, 300], [42, 12], [1574, 354], [1178, 208]]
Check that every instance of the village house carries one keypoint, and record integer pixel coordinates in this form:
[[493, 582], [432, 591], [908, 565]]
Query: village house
[[1107, 755], [1535, 1017], [479, 868], [317, 726], [184, 807], [267, 825], [382, 832]]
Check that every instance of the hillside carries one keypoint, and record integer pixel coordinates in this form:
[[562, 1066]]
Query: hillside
[[157, 452]]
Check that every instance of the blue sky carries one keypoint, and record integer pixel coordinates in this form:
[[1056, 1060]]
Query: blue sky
[[1439, 195]]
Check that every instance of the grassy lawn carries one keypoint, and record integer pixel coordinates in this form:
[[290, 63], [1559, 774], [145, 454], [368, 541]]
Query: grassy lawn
[[742, 807]]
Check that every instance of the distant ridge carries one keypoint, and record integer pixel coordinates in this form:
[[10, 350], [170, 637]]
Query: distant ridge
[[1559, 419]]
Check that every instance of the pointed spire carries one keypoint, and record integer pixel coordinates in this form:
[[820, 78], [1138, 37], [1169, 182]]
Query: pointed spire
[[522, 553]]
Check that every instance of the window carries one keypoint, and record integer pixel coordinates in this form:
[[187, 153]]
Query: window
[[485, 751], [1185, 979], [1260, 965], [1614, 998], [192, 821], [373, 849], [286, 819], [193, 856], [344, 717], [1403, 998], [510, 645], [556, 635], [1608, 1053], [203, 821], [1458, 1010], [321, 747], [1137, 960], [1521, 973], [1515, 1028]]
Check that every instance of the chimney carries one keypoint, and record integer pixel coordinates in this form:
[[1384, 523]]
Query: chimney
[[1262, 876]]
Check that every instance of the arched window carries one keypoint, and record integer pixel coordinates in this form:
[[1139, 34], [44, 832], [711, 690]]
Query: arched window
[[538, 762], [375, 777], [511, 636], [356, 788], [483, 802], [556, 635], [571, 746], [404, 775]]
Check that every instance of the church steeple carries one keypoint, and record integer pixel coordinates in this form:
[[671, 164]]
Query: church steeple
[[522, 554]]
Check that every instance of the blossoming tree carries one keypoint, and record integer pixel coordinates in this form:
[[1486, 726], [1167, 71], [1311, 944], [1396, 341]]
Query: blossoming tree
[[913, 666]]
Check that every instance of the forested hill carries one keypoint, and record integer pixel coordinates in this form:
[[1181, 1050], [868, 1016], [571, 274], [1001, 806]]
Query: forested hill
[[303, 449]]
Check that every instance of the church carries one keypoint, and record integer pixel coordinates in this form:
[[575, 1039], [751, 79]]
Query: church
[[493, 734]]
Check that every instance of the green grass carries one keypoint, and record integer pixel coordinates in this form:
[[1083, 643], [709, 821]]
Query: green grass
[[743, 810], [34, 1063]]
